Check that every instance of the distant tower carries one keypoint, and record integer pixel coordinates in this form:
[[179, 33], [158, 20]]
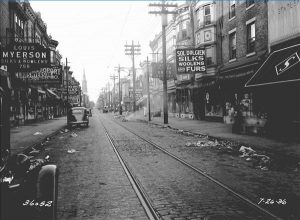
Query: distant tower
[[84, 84]]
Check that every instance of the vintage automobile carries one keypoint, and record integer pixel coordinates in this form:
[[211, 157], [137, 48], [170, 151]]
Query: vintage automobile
[[105, 109], [77, 116], [29, 188], [89, 111]]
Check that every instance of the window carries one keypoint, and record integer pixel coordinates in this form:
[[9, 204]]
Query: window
[[249, 3], [250, 37], [19, 26], [207, 15], [209, 53], [232, 8], [232, 45]]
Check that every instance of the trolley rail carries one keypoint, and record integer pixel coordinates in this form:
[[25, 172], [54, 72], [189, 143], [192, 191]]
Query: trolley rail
[[140, 192], [203, 173]]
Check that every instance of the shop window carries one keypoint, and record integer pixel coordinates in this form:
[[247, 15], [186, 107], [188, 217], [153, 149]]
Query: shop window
[[231, 9], [251, 37], [232, 45], [213, 107], [207, 15]]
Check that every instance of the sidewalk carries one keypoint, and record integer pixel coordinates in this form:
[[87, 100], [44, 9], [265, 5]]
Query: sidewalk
[[28, 135], [224, 131]]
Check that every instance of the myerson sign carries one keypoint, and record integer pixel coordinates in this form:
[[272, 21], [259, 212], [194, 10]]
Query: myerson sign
[[25, 57]]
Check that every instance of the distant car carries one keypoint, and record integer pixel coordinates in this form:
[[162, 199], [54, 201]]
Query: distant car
[[78, 116], [105, 109], [89, 112]]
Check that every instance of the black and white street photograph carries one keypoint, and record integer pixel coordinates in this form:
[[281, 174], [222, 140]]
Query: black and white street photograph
[[150, 110]]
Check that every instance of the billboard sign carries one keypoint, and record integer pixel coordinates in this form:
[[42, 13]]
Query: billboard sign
[[157, 70], [25, 57], [47, 75], [190, 61]]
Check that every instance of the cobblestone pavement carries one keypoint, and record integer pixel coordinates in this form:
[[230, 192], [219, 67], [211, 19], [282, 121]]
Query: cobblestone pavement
[[92, 183], [176, 191], [228, 167]]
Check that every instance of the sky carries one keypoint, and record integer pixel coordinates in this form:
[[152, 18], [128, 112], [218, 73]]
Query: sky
[[92, 35]]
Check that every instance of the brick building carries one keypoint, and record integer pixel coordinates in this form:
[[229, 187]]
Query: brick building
[[244, 45]]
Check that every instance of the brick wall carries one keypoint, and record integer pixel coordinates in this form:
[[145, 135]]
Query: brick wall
[[259, 11]]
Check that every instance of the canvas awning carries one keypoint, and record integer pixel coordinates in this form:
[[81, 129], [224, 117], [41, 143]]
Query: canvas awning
[[281, 66], [52, 93]]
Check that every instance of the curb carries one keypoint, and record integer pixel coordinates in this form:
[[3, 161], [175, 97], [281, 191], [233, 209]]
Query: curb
[[31, 147]]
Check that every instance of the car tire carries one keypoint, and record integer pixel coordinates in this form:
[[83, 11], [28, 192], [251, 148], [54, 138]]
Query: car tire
[[47, 190]]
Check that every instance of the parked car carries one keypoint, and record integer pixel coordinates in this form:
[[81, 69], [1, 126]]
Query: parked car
[[89, 111], [29, 188], [78, 116], [105, 109]]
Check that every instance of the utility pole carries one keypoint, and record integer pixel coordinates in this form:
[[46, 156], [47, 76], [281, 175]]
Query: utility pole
[[67, 77], [113, 77], [120, 97], [164, 12], [148, 91], [132, 50]]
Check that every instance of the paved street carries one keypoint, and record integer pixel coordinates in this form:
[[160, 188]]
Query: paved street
[[93, 185]]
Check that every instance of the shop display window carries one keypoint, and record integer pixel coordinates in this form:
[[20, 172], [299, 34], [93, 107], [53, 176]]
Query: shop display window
[[212, 106]]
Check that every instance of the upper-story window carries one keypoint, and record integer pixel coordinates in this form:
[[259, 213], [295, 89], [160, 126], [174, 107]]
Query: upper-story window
[[232, 4], [210, 55], [251, 37], [19, 24], [207, 15], [249, 3], [232, 45]]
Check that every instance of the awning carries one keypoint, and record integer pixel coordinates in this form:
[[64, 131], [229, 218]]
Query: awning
[[53, 94], [281, 66]]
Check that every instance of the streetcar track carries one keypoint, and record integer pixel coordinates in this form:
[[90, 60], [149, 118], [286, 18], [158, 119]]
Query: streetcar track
[[137, 187], [203, 173]]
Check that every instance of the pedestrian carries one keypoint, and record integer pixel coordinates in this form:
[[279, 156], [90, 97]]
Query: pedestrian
[[238, 120]]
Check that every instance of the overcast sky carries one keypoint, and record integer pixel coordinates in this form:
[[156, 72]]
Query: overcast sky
[[92, 35]]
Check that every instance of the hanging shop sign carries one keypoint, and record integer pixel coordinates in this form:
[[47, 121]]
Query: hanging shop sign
[[157, 70], [190, 61], [25, 57], [47, 75]]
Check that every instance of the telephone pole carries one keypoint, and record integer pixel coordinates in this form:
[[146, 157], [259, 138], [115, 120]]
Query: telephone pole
[[148, 91], [132, 50], [114, 77], [164, 12], [120, 97]]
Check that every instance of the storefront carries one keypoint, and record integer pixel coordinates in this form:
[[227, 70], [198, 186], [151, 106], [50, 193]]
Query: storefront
[[277, 83]]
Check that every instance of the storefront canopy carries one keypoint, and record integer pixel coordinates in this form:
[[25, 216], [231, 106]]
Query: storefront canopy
[[51, 93], [281, 66]]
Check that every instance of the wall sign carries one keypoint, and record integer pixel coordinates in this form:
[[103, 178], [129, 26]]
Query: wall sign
[[190, 61], [47, 75], [25, 57]]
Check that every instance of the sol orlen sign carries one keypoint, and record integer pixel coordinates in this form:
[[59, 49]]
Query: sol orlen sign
[[25, 57], [190, 61]]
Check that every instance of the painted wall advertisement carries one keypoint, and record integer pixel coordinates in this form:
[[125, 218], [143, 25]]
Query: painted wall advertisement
[[157, 70], [190, 61], [283, 20], [25, 57]]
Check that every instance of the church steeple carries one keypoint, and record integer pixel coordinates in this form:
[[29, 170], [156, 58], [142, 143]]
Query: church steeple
[[84, 83]]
